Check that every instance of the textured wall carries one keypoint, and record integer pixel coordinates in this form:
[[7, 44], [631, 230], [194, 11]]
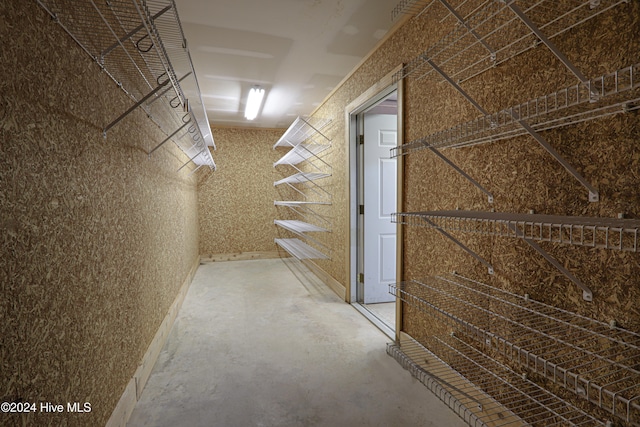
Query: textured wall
[[96, 238], [235, 204], [518, 171]]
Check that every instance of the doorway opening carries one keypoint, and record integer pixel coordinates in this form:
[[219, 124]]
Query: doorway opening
[[373, 133]]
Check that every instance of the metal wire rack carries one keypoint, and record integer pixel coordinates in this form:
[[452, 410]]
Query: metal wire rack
[[300, 229], [606, 233], [451, 388], [301, 153], [495, 394], [596, 361], [612, 93], [141, 46], [410, 7], [299, 249], [305, 141], [480, 42], [304, 129]]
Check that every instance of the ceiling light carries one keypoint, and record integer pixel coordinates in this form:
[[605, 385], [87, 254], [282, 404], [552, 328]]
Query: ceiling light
[[253, 103]]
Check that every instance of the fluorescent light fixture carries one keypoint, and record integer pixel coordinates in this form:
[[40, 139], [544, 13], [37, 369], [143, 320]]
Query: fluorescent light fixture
[[253, 103]]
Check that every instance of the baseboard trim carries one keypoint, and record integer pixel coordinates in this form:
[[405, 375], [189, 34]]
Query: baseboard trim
[[133, 390], [326, 278], [239, 256]]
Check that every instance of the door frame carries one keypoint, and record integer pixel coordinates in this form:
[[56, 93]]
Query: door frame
[[374, 94]]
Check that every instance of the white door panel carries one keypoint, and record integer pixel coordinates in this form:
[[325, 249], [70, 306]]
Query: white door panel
[[379, 202], [387, 185]]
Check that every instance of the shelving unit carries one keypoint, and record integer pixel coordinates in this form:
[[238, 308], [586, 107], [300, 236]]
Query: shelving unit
[[613, 93], [606, 233], [477, 43], [596, 361], [494, 357], [305, 141], [299, 249], [141, 46]]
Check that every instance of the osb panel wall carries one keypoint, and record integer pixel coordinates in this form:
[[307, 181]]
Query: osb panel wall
[[96, 237], [520, 174], [235, 204]]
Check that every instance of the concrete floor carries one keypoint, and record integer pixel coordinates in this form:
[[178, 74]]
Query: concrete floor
[[264, 343], [385, 311]]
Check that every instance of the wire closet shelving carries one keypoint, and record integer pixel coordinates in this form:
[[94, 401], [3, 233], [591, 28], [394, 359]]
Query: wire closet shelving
[[612, 93], [596, 361], [496, 31], [483, 391], [594, 232], [478, 43], [306, 142], [140, 44]]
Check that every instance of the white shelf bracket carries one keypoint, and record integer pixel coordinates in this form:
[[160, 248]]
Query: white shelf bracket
[[594, 196], [587, 294], [457, 87], [460, 171], [459, 243], [464, 23], [544, 39]]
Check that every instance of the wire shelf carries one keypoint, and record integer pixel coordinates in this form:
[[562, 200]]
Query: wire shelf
[[594, 360], [605, 233], [446, 384], [141, 46], [492, 34], [300, 250], [612, 93], [301, 178], [301, 153], [303, 129], [299, 226], [494, 393], [410, 7]]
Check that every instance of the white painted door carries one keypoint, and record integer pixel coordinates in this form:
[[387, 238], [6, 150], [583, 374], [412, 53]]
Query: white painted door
[[380, 135]]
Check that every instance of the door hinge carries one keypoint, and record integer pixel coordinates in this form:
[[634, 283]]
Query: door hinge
[[361, 139], [361, 278], [361, 209]]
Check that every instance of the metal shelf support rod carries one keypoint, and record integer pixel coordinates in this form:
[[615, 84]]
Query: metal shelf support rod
[[136, 105], [461, 172], [593, 193], [192, 159], [132, 32], [471, 30], [459, 243], [594, 196], [552, 47], [457, 87], [170, 136], [194, 171]]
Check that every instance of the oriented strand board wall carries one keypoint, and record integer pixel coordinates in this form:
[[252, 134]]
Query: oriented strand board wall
[[519, 173], [235, 204], [96, 238]]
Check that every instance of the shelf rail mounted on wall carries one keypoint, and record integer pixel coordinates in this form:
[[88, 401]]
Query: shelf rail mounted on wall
[[604, 233], [140, 44], [596, 361], [306, 141]]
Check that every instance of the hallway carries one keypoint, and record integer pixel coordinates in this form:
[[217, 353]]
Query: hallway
[[264, 343]]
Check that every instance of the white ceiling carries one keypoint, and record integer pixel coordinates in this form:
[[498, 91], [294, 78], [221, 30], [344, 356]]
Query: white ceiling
[[297, 50]]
